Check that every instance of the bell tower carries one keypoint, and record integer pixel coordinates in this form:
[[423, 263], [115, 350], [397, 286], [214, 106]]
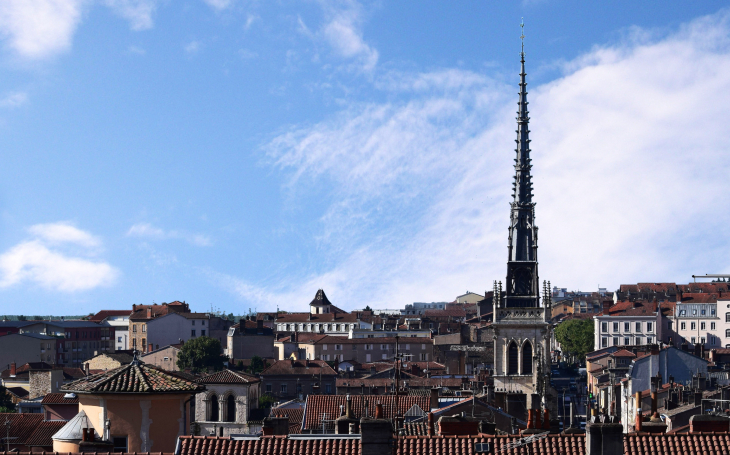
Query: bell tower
[[521, 327]]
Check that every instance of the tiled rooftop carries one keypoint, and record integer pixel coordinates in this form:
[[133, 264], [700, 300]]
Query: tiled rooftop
[[58, 398], [41, 437], [678, 444], [319, 405], [299, 367], [133, 378], [228, 377], [22, 426], [267, 445]]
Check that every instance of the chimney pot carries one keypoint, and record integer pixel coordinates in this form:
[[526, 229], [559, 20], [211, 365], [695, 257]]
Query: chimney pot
[[12, 369]]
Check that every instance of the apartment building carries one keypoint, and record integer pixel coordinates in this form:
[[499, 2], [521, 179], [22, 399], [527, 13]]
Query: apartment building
[[75, 341], [628, 323], [119, 319], [175, 328], [143, 314], [697, 320], [366, 350]]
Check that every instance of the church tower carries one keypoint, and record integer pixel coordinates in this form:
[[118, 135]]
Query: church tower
[[521, 327]]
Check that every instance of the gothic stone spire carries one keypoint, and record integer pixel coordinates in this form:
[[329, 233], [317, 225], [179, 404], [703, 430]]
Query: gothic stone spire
[[522, 280]]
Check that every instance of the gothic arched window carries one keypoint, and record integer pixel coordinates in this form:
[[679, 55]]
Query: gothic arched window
[[512, 358], [231, 408], [527, 358], [213, 416]]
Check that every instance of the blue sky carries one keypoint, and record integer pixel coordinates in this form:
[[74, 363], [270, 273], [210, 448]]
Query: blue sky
[[243, 154]]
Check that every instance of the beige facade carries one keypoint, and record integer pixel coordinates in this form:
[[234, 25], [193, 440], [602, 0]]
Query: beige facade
[[223, 409], [165, 358], [366, 350]]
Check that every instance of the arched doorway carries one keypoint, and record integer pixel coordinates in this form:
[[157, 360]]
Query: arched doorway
[[512, 358], [527, 358], [231, 408], [214, 408]]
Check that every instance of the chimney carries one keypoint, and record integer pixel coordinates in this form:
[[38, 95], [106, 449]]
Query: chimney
[[376, 435], [149, 313], [276, 426], [546, 420], [260, 327], [430, 429], [434, 401], [134, 307], [604, 438], [706, 423], [606, 306], [86, 368], [698, 398], [12, 370], [639, 417]]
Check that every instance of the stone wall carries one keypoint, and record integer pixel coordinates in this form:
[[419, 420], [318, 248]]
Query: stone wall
[[41, 383]]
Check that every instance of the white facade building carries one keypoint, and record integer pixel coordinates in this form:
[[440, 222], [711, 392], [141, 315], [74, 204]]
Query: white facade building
[[628, 323]]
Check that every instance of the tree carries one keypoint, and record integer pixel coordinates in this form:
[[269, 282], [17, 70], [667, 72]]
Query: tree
[[239, 365], [265, 401], [257, 365], [575, 337], [367, 308], [230, 317], [22, 318], [200, 355], [37, 318], [6, 402]]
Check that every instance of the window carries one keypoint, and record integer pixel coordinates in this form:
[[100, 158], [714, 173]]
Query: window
[[134, 327], [712, 326], [338, 347], [283, 388], [693, 325], [324, 347], [712, 312], [604, 342], [423, 346], [120, 444], [638, 327], [512, 358], [193, 322], [368, 358], [384, 356], [694, 340], [649, 327], [727, 333], [424, 357], [144, 328], [702, 340], [627, 327], [192, 333], [702, 326], [604, 326], [119, 339], [649, 340], [683, 326], [683, 312], [627, 340], [328, 388], [615, 341], [527, 359], [639, 340], [202, 322], [268, 388], [202, 332], [368, 347], [727, 317], [703, 312], [383, 347], [615, 326], [694, 312], [408, 347], [214, 408]]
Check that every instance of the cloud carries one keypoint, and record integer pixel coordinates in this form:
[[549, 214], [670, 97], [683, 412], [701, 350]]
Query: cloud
[[146, 230], [63, 232], [37, 29], [192, 47], [14, 99], [342, 31], [629, 153], [45, 260], [137, 12]]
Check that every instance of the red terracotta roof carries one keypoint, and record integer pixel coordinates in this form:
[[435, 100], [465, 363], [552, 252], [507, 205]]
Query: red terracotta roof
[[623, 353], [299, 367], [228, 377], [677, 444], [21, 425], [629, 308], [133, 378], [103, 314], [447, 312], [58, 398], [319, 405], [267, 445], [41, 437], [554, 444], [296, 415], [412, 381]]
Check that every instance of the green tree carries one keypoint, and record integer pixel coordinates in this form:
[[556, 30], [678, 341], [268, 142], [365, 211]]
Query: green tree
[[231, 318], [22, 318], [239, 365], [6, 402], [200, 354], [367, 308], [37, 318], [257, 365], [265, 401], [576, 338]]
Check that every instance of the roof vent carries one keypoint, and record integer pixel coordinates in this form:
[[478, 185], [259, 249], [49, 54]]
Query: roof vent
[[482, 447], [70, 396]]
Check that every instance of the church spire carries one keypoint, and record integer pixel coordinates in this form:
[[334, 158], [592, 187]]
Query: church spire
[[522, 280]]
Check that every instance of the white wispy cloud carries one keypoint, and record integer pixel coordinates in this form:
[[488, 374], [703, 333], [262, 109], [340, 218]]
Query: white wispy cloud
[[46, 260], [38, 29], [137, 12], [147, 230], [219, 4], [14, 99], [192, 47], [629, 153]]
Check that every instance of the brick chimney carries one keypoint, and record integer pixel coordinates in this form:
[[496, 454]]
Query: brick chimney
[[149, 313], [12, 370], [376, 435], [606, 306], [260, 326], [706, 423], [604, 438], [276, 426], [434, 400]]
